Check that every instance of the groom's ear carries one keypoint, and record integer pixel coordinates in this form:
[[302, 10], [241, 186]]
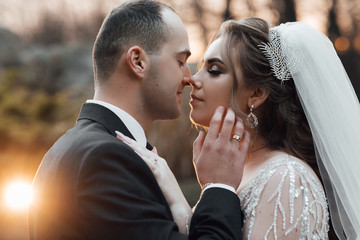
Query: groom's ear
[[137, 60], [258, 96]]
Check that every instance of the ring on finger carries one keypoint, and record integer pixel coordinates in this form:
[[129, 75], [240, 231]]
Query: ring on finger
[[236, 137]]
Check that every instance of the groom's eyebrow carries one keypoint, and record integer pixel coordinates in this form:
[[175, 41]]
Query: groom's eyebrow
[[185, 52]]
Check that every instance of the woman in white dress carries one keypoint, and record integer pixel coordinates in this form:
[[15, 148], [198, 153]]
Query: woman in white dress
[[289, 87]]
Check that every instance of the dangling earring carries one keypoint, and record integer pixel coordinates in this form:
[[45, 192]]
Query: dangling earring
[[251, 119]]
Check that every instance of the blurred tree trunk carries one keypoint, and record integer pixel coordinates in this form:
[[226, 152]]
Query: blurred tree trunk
[[200, 12], [227, 13], [289, 14], [333, 29]]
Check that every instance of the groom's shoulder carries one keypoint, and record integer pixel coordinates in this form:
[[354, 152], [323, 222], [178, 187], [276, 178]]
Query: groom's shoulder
[[85, 138], [93, 137], [85, 150]]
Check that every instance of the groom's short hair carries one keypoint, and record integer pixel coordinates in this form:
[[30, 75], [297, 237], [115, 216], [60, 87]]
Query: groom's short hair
[[131, 23]]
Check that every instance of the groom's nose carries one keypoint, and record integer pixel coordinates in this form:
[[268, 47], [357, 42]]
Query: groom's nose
[[187, 76]]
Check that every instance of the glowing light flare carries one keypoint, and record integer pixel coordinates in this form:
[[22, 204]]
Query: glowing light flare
[[18, 195]]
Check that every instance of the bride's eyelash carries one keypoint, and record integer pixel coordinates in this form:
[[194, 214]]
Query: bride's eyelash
[[214, 72]]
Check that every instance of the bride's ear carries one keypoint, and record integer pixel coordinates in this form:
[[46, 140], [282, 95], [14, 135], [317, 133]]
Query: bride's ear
[[258, 97]]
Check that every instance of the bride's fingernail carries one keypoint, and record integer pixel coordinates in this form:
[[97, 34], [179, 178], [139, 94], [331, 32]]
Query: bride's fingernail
[[120, 135], [154, 150], [220, 109]]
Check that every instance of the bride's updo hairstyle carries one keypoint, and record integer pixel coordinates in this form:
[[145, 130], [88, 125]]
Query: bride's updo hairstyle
[[282, 122]]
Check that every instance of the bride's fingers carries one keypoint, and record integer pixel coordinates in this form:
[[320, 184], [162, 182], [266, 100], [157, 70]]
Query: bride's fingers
[[141, 151], [245, 142], [238, 135], [132, 143], [150, 157], [227, 126], [154, 150], [215, 123]]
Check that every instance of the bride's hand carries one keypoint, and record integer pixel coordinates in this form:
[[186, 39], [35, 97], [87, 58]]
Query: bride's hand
[[180, 208], [219, 156]]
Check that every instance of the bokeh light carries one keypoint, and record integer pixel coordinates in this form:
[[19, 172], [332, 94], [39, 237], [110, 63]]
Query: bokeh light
[[356, 43], [18, 195], [342, 44]]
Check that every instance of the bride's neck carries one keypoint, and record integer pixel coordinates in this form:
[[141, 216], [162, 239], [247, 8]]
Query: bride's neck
[[258, 151], [257, 143]]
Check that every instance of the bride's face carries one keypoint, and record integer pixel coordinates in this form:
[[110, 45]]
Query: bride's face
[[212, 86]]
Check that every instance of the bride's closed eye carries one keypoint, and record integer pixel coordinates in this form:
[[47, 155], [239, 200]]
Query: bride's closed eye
[[214, 70]]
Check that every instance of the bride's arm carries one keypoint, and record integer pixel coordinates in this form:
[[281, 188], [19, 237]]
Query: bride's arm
[[218, 158], [179, 207]]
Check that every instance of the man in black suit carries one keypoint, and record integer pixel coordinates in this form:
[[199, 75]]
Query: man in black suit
[[90, 185]]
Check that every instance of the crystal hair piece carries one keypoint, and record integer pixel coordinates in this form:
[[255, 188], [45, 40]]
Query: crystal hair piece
[[281, 64]]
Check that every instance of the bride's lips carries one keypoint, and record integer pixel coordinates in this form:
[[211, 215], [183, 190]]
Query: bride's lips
[[195, 99]]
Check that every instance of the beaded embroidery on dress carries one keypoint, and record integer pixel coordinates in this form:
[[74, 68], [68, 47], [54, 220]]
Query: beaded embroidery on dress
[[292, 196]]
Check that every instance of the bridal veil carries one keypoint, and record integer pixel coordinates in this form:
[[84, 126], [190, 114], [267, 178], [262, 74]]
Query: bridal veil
[[332, 110]]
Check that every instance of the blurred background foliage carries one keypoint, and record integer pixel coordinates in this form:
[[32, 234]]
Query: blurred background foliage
[[46, 70], [31, 111]]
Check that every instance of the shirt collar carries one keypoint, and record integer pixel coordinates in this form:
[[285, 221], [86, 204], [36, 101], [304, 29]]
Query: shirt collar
[[133, 126]]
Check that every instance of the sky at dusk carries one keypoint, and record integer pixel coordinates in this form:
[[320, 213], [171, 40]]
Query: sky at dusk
[[22, 15]]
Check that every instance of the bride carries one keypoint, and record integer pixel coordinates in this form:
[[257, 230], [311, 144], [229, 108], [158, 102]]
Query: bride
[[291, 90]]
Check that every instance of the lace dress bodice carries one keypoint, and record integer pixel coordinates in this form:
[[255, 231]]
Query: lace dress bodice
[[284, 201]]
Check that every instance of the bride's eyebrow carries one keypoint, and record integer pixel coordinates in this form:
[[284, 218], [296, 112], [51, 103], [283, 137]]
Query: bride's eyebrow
[[209, 61], [212, 60]]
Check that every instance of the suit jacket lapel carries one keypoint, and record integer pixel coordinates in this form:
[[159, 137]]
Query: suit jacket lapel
[[105, 117]]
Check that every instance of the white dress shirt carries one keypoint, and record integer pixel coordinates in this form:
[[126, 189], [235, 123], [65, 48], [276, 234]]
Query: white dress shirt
[[132, 125]]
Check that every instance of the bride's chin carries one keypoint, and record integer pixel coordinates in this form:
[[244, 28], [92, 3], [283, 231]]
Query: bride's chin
[[199, 120]]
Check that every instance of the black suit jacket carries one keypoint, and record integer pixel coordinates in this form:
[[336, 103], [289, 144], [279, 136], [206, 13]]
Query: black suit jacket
[[90, 185]]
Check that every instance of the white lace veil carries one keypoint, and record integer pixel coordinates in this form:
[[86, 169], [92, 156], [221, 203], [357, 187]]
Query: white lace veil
[[332, 110]]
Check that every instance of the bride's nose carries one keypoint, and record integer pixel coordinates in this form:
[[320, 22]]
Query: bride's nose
[[195, 82]]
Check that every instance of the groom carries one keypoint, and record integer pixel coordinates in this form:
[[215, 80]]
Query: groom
[[90, 185]]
